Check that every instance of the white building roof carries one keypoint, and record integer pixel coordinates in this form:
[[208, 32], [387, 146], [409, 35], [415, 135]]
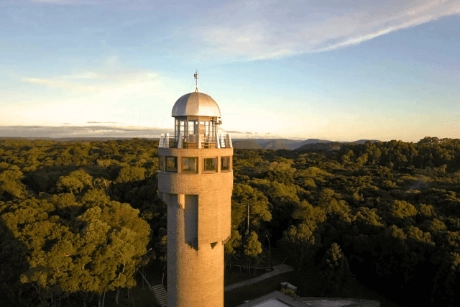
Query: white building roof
[[272, 303], [196, 104]]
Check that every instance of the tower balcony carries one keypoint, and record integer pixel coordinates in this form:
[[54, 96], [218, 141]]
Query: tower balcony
[[196, 141]]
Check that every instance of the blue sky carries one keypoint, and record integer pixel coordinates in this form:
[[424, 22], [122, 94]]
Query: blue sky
[[340, 70]]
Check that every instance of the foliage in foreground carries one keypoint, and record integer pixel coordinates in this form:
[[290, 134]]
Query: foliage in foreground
[[67, 233], [388, 211], [77, 218]]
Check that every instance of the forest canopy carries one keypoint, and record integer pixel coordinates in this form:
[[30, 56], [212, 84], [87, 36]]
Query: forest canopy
[[79, 218]]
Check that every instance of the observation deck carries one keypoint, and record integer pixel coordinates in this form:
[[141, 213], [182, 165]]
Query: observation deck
[[196, 141]]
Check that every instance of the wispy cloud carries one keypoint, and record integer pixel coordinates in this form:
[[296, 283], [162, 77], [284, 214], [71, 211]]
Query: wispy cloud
[[113, 96], [56, 1], [99, 81], [112, 3], [101, 123], [260, 29], [79, 132]]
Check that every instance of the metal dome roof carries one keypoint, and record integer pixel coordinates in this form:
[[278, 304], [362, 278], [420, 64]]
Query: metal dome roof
[[196, 104]]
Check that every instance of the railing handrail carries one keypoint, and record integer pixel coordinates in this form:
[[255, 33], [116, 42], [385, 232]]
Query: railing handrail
[[201, 141]]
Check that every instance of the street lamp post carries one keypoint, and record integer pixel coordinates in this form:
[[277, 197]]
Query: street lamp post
[[269, 253]]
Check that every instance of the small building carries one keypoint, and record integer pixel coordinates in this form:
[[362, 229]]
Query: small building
[[278, 299]]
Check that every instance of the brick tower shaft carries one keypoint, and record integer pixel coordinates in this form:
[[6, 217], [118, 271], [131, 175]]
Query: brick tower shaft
[[195, 180]]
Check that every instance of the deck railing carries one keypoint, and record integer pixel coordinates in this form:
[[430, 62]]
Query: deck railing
[[196, 141]]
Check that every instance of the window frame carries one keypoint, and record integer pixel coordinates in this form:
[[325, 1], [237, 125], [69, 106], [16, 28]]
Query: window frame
[[213, 170], [161, 163], [167, 165], [229, 164], [188, 171]]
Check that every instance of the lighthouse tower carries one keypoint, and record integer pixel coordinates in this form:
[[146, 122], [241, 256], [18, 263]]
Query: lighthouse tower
[[195, 180]]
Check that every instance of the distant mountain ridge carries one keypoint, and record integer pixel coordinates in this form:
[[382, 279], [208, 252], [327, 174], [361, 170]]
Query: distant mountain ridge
[[242, 143], [289, 144]]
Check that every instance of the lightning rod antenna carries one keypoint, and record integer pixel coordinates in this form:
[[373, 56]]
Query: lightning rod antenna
[[196, 80]]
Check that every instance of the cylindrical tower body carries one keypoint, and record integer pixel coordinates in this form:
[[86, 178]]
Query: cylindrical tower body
[[196, 181]]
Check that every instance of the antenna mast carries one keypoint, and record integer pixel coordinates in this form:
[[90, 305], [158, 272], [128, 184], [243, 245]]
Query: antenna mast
[[196, 80]]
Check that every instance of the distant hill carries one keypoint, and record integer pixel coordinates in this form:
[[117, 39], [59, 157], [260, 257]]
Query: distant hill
[[246, 144], [325, 146], [364, 141], [279, 144], [265, 144], [275, 144]]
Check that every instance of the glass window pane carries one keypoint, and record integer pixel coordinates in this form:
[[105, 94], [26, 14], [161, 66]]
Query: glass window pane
[[189, 165], [225, 163], [191, 127], [210, 164], [161, 163], [171, 164]]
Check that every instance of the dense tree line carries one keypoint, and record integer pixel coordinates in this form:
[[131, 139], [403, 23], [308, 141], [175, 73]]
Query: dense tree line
[[384, 212], [78, 218]]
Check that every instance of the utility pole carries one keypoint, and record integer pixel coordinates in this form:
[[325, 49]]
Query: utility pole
[[247, 229], [269, 253]]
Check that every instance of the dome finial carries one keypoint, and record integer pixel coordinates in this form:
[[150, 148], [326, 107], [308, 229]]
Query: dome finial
[[196, 80]]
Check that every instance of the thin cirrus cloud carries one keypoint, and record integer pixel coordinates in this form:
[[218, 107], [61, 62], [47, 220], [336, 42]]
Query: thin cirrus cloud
[[108, 3], [55, 1], [99, 81], [62, 2], [65, 131], [110, 84], [90, 96], [270, 29]]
